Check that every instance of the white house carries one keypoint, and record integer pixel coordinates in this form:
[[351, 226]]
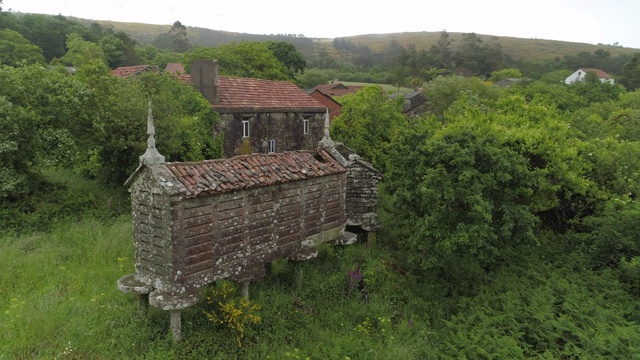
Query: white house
[[580, 74]]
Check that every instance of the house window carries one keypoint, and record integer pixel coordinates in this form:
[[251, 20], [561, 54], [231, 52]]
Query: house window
[[305, 126], [272, 146], [245, 128]]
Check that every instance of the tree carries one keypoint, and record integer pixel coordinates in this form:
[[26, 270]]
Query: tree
[[476, 187], [442, 51], [443, 91], [556, 95], [368, 123], [114, 50], [250, 59], [16, 50], [179, 43], [183, 120], [313, 77], [49, 33], [504, 74], [174, 40], [289, 56], [81, 52], [631, 73], [18, 148]]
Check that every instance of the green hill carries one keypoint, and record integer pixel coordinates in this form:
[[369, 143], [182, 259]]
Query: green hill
[[533, 49]]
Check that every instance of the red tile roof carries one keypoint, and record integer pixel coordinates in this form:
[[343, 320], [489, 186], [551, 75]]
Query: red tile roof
[[247, 93], [250, 171], [126, 71], [337, 89], [601, 74], [175, 68]]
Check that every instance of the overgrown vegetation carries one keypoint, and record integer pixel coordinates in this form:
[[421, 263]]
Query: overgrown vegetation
[[510, 214], [60, 301]]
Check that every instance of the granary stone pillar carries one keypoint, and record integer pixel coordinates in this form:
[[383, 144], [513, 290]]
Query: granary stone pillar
[[371, 238], [244, 289], [175, 322], [174, 303]]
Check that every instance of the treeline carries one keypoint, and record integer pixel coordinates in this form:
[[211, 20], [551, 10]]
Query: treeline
[[93, 123], [57, 40], [406, 66]]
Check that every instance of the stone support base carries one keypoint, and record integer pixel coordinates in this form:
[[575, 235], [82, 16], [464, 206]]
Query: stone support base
[[371, 238], [347, 239], [174, 302]]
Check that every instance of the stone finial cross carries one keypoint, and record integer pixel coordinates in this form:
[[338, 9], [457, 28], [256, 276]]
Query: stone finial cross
[[151, 155]]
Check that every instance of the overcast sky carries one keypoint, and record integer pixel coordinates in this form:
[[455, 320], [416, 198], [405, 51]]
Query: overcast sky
[[586, 21]]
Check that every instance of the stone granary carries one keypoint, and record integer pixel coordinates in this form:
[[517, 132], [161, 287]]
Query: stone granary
[[197, 222]]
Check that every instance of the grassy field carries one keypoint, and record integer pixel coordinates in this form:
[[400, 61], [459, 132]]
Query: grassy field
[[59, 300]]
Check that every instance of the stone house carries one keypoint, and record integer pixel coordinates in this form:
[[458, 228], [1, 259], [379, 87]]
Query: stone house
[[580, 74], [259, 116], [197, 222]]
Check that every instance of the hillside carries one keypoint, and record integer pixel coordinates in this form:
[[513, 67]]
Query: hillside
[[534, 49]]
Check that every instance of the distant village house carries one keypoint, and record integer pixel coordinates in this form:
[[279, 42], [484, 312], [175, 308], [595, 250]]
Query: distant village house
[[581, 73]]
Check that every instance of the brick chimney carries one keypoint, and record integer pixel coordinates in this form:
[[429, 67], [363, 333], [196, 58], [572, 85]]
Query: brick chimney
[[204, 76]]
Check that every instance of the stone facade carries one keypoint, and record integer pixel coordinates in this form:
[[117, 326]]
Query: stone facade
[[284, 128], [186, 240], [361, 191]]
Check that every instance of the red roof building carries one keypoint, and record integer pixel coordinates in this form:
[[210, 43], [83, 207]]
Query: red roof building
[[335, 108], [259, 116], [580, 75], [175, 68]]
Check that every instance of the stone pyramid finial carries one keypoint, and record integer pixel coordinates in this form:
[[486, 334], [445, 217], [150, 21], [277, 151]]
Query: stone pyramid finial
[[326, 141], [151, 155]]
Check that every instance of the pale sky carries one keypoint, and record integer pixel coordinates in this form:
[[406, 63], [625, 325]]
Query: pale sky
[[585, 21]]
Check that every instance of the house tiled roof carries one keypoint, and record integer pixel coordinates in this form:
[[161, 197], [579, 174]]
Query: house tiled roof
[[337, 89], [249, 171], [247, 93], [126, 71], [601, 74], [174, 68]]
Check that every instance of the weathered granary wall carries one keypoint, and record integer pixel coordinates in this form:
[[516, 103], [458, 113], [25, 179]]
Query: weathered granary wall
[[232, 235], [361, 191]]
